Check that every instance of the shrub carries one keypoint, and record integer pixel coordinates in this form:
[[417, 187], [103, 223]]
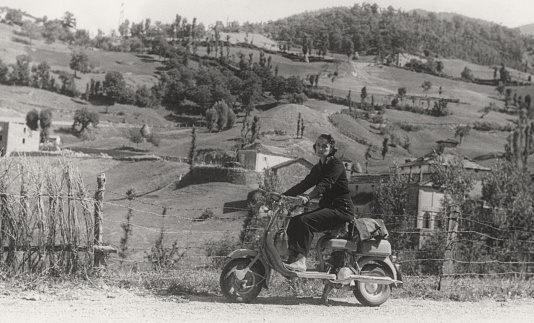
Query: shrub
[[410, 127], [207, 214], [162, 257], [135, 136], [143, 97]]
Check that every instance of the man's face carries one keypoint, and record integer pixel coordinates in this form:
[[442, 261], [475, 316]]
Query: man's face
[[322, 147]]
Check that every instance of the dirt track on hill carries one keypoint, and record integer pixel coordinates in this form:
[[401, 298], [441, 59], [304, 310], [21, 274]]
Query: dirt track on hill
[[119, 305]]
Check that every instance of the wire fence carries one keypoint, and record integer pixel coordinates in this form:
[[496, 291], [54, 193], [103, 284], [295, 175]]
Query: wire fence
[[481, 247]]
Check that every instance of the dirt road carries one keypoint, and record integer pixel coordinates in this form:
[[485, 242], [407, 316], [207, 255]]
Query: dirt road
[[119, 305]]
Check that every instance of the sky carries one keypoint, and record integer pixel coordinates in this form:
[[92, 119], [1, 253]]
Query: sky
[[105, 14]]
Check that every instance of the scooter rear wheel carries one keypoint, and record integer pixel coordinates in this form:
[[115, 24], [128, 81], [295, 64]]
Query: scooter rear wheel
[[240, 285], [370, 294]]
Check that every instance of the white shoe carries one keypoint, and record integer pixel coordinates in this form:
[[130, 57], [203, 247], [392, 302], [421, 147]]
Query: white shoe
[[298, 265]]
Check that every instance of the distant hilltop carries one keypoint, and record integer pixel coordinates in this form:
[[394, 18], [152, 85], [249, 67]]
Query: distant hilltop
[[527, 29]]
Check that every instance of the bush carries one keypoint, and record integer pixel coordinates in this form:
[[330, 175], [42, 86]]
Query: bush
[[162, 257], [207, 214], [143, 97], [135, 136], [410, 127]]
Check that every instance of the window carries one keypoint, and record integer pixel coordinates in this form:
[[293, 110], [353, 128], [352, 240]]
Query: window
[[0, 137], [24, 129], [24, 139], [426, 221]]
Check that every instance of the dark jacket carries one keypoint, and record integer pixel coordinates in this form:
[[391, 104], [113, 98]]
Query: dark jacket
[[330, 180]]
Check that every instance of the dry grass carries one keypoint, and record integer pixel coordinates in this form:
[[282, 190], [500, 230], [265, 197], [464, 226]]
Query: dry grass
[[44, 208]]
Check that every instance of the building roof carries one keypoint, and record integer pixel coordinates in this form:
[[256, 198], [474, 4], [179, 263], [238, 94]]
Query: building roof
[[444, 159], [290, 162], [264, 149], [367, 178]]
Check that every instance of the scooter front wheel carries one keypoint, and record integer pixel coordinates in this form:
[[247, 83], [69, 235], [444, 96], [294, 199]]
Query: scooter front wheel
[[239, 284], [371, 294]]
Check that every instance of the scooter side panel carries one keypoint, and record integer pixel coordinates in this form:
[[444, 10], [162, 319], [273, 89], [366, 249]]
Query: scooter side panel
[[381, 260]]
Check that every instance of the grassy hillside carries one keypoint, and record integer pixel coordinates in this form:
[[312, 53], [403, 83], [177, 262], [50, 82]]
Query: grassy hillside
[[154, 181]]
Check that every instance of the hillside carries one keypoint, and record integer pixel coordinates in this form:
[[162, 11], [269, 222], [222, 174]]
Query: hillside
[[369, 29], [527, 29], [155, 181]]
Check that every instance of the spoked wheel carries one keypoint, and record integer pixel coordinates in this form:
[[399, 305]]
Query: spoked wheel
[[371, 294], [239, 284]]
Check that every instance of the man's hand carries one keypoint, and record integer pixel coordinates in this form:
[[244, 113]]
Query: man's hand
[[305, 199]]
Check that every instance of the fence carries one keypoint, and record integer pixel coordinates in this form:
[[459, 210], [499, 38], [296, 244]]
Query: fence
[[49, 223], [46, 219], [465, 245]]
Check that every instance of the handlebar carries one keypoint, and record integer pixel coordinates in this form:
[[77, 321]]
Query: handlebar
[[277, 197]]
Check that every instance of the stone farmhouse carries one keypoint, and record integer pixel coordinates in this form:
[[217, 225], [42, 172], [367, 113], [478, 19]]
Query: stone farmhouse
[[290, 172], [258, 157], [17, 137], [424, 199]]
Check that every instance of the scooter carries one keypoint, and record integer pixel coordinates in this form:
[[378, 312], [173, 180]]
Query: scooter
[[365, 267]]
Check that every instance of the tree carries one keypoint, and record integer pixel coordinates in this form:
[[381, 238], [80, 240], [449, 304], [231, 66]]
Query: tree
[[31, 30], [222, 112], [124, 29], [32, 119], [461, 132], [348, 48], [135, 136], [401, 91], [41, 76], [505, 75], [392, 205], [114, 86], [467, 74], [20, 75], [211, 118], [83, 118], [363, 94], [143, 97], [231, 119], [500, 89], [68, 20], [45, 122], [68, 86], [427, 85], [439, 66], [79, 62], [385, 147], [306, 47], [192, 149]]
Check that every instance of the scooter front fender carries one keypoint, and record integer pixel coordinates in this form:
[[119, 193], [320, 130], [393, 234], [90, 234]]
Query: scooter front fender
[[385, 262], [251, 254]]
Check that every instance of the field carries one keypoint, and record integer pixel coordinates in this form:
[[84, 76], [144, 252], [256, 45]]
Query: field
[[154, 182]]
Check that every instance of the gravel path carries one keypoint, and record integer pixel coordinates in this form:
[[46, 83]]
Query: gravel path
[[119, 305]]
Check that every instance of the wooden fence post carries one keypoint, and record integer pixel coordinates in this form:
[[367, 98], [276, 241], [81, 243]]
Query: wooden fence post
[[448, 264], [99, 201]]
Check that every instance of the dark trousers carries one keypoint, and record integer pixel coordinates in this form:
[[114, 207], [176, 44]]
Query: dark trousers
[[301, 227]]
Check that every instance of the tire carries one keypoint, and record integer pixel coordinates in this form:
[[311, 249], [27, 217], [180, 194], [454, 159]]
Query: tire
[[370, 294], [241, 290]]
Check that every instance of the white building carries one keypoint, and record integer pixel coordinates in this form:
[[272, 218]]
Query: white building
[[258, 157], [17, 137]]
